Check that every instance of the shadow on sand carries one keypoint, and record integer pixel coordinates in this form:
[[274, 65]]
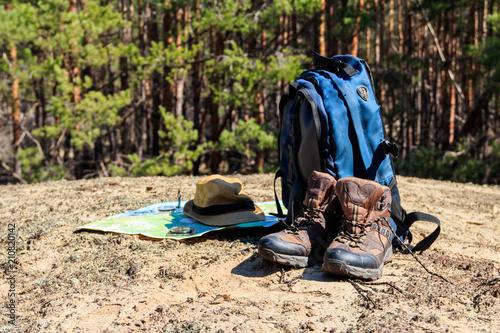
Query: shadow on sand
[[256, 266]]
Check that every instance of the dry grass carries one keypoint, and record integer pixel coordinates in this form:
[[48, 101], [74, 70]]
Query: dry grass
[[89, 281]]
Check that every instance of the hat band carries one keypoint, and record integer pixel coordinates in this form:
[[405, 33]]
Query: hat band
[[222, 209]]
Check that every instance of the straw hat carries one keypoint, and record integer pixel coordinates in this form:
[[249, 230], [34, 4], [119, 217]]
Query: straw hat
[[219, 201]]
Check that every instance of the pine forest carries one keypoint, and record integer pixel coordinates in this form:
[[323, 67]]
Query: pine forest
[[94, 88]]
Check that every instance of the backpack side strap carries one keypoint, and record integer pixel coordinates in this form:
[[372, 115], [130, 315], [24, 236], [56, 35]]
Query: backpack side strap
[[278, 206], [405, 220], [425, 243]]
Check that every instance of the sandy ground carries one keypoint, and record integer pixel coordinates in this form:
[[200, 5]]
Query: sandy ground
[[68, 281]]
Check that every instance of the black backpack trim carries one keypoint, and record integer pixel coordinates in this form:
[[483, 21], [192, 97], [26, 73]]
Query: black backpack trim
[[333, 65]]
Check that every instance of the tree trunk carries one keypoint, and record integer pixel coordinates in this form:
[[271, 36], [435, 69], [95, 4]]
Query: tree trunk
[[16, 109], [167, 94], [389, 35], [400, 26], [199, 119], [74, 70], [382, 50], [180, 80], [141, 111], [260, 117], [216, 158], [322, 29], [453, 93], [356, 32], [344, 39], [127, 129], [156, 82], [419, 89], [406, 117], [378, 29], [331, 42], [125, 36]]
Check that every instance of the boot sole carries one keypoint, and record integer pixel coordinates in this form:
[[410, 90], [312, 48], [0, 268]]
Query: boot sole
[[340, 267], [295, 261]]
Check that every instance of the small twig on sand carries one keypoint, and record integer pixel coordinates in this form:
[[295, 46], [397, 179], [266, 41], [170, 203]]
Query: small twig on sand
[[360, 291], [380, 283], [415, 257], [490, 282]]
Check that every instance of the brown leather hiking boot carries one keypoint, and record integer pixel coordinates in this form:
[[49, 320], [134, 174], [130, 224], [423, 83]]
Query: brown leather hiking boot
[[305, 240], [364, 242]]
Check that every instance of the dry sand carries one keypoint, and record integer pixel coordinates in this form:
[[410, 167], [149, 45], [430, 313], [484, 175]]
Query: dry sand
[[69, 281]]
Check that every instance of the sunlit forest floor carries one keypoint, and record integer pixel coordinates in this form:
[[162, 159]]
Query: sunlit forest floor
[[70, 281]]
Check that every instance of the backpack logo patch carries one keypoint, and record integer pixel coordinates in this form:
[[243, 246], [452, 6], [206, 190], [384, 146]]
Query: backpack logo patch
[[363, 92]]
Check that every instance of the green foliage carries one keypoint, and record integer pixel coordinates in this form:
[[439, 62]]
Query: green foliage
[[34, 169], [17, 24], [226, 15], [52, 45], [85, 74], [421, 162], [85, 121], [488, 51], [241, 73], [181, 151], [346, 16], [268, 16], [435, 8], [246, 137], [182, 140], [245, 76], [285, 67], [493, 164], [137, 167], [175, 57], [459, 166]]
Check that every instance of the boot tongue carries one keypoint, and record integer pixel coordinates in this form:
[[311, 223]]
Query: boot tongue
[[319, 191], [358, 198]]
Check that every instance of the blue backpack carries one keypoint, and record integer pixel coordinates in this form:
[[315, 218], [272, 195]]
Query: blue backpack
[[330, 122]]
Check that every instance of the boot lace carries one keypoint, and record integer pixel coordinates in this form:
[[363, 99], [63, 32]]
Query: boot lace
[[306, 217], [354, 239]]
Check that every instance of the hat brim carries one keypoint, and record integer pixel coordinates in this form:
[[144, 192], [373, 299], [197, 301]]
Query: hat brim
[[226, 219]]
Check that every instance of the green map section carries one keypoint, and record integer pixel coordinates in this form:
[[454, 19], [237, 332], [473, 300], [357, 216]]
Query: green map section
[[166, 220]]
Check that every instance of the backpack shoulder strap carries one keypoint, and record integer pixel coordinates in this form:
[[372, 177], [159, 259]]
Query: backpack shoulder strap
[[301, 93]]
